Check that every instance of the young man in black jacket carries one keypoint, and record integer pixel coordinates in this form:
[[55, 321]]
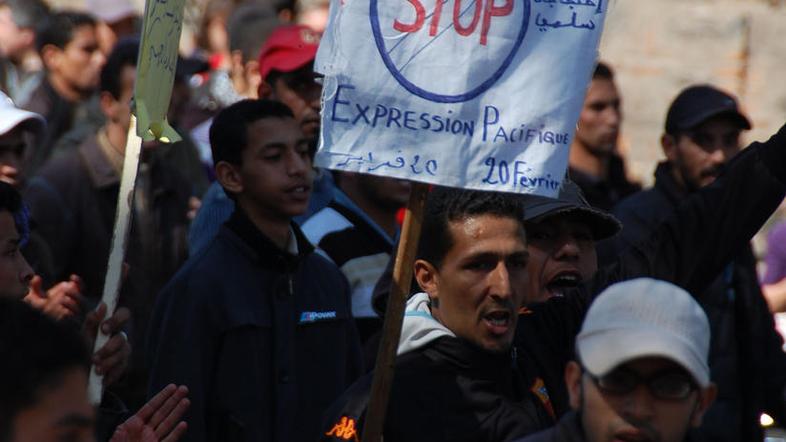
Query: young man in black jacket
[[257, 325], [702, 134], [456, 377]]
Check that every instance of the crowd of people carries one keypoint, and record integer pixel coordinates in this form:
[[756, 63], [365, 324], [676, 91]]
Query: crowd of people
[[254, 285]]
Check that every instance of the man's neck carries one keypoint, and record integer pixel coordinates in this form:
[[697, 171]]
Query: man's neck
[[582, 159], [278, 230], [384, 217], [64, 89], [117, 136]]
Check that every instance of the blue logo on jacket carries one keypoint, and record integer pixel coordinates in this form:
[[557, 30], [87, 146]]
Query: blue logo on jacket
[[316, 316]]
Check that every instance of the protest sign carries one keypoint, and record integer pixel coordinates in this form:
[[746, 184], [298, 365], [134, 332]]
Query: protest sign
[[155, 75], [480, 94], [156, 67]]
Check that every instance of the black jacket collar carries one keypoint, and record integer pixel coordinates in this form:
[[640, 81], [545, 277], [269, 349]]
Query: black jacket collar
[[266, 250], [666, 184]]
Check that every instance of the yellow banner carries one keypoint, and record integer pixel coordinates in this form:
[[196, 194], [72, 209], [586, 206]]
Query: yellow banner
[[155, 73]]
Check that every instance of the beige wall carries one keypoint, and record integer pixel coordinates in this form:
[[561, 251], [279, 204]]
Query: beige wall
[[658, 47]]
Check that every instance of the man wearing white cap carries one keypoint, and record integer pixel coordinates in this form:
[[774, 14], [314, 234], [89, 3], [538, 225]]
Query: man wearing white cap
[[641, 371], [16, 125]]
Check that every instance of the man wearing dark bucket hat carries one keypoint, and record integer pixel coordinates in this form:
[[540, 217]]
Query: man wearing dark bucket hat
[[640, 371], [701, 135]]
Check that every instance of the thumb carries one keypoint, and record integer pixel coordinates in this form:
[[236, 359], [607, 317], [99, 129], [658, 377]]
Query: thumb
[[92, 320], [36, 286]]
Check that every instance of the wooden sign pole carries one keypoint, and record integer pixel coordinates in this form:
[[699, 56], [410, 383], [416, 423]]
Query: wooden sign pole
[[114, 272], [394, 315]]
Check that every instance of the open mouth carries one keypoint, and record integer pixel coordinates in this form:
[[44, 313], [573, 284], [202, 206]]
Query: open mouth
[[498, 322], [299, 192], [563, 282]]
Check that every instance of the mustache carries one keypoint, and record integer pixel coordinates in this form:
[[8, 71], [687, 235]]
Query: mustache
[[713, 171]]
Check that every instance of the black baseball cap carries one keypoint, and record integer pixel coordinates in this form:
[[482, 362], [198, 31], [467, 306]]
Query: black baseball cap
[[571, 201], [697, 104]]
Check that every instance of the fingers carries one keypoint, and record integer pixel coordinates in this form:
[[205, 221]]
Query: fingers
[[112, 359], [147, 410], [116, 322], [9, 174], [78, 281], [92, 320], [170, 413], [36, 286], [177, 433]]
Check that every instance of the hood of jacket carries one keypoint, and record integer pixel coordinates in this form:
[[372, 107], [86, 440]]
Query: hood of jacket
[[419, 327]]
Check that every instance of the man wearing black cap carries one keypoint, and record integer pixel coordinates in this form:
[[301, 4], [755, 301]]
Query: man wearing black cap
[[702, 134], [561, 234]]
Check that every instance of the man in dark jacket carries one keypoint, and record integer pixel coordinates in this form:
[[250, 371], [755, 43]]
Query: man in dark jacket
[[68, 46], [257, 325], [702, 132], [595, 163], [641, 367], [456, 377]]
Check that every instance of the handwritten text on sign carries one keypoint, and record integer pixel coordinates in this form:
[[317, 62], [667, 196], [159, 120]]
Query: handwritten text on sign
[[467, 93], [162, 26]]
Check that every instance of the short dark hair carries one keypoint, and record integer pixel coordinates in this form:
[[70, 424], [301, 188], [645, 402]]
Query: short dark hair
[[11, 201], [444, 205], [58, 28], [35, 351], [248, 28], [123, 54], [603, 72], [27, 13], [229, 131], [284, 5]]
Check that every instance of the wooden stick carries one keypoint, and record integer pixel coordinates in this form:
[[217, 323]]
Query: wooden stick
[[114, 272], [391, 329]]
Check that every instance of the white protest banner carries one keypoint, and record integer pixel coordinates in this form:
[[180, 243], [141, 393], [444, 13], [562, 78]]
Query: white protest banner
[[156, 67], [480, 94]]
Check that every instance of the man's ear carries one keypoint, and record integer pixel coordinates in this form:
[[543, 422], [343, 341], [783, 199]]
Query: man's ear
[[705, 399], [107, 102], [573, 374], [669, 145], [428, 278], [229, 177], [50, 56]]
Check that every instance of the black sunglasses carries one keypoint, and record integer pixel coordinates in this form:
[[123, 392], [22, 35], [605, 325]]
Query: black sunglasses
[[667, 385]]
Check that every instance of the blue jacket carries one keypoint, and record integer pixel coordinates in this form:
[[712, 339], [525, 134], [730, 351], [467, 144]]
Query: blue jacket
[[263, 339]]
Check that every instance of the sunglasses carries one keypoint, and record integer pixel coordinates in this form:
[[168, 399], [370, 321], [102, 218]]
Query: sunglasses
[[667, 385]]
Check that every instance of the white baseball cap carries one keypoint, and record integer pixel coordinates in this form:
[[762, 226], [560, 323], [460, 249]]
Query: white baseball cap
[[644, 318], [11, 117]]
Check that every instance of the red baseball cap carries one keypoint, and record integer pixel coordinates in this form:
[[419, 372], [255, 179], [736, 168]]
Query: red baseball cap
[[287, 49]]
